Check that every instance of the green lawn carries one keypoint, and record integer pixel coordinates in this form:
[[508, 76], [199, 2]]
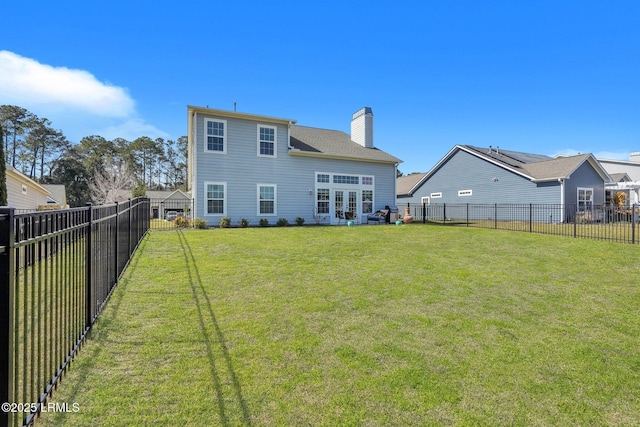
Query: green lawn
[[367, 325]]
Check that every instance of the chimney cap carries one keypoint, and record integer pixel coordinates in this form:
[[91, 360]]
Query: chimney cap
[[363, 111]]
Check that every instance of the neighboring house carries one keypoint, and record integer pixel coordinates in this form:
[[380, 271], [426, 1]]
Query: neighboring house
[[469, 174], [162, 202], [58, 197], [626, 177], [169, 201], [259, 167], [23, 193]]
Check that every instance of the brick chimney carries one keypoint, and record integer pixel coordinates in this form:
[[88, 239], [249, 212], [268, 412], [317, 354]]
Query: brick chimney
[[362, 127]]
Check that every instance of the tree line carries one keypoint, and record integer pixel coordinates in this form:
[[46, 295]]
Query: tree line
[[95, 169]]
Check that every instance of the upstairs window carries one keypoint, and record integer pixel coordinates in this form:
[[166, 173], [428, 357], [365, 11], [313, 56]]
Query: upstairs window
[[215, 136], [267, 141]]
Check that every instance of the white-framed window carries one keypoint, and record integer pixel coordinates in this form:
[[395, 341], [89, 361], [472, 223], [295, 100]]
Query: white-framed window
[[24, 189], [465, 193], [322, 177], [424, 200], [267, 199], [585, 199], [367, 180], [267, 137], [436, 195], [215, 136], [367, 201], [215, 198], [322, 203], [346, 179]]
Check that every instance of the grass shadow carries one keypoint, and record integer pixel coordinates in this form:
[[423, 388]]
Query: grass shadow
[[204, 308]]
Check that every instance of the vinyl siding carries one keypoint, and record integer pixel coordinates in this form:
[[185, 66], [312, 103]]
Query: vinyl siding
[[16, 199], [584, 177], [488, 182], [242, 169]]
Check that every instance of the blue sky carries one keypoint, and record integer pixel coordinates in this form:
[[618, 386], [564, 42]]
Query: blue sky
[[548, 77]]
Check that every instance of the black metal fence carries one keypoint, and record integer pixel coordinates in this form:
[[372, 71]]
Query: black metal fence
[[171, 213], [604, 222], [58, 269]]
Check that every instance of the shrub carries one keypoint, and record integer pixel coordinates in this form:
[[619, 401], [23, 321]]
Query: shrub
[[244, 223], [199, 223], [181, 222], [225, 222], [264, 222], [282, 222], [299, 220]]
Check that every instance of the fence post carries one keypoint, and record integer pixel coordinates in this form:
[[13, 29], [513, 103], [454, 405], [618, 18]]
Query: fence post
[[116, 235], [129, 251], [444, 214], [530, 217], [633, 223], [467, 214], [89, 268], [495, 216], [424, 213], [7, 238]]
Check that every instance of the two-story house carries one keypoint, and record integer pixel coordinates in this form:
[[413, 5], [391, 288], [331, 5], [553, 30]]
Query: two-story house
[[253, 167]]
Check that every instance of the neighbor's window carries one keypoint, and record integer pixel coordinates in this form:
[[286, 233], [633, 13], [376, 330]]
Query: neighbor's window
[[215, 136], [436, 195], [585, 199], [216, 196], [465, 193], [367, 201], [266, 199], [323, 200], [267, 141], [367, 180], [424, 200]]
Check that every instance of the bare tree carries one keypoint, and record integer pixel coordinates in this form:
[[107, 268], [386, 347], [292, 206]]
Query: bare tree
[[109, 182]]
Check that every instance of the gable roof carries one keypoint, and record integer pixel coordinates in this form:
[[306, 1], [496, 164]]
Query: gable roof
[[309, 141], [620, 177], [534, 167], [58, 193], [405, 183]]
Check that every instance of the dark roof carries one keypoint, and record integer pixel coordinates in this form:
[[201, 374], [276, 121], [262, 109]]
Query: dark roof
[[535, 167], [309, 141]]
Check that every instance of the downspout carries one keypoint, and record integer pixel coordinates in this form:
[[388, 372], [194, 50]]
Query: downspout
[[561, 181], [193, 160], [289, 146]]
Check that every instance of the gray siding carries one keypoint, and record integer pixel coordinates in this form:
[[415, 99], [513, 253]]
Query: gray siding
[[584, 177], [488, 183], [242, 170]]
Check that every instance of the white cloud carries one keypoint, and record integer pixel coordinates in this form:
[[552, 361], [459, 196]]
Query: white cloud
[[74, 100], [132, 129], [24, 80]]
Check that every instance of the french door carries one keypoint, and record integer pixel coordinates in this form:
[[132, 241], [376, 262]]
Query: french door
[[345, 205]]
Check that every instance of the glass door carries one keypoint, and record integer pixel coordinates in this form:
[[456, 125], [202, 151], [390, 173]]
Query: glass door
[[345, 204]]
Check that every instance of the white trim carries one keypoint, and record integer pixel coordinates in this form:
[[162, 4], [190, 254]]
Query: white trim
[[465, 193], [275, 199], [224, 136], [275, 140], [206, 199]]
